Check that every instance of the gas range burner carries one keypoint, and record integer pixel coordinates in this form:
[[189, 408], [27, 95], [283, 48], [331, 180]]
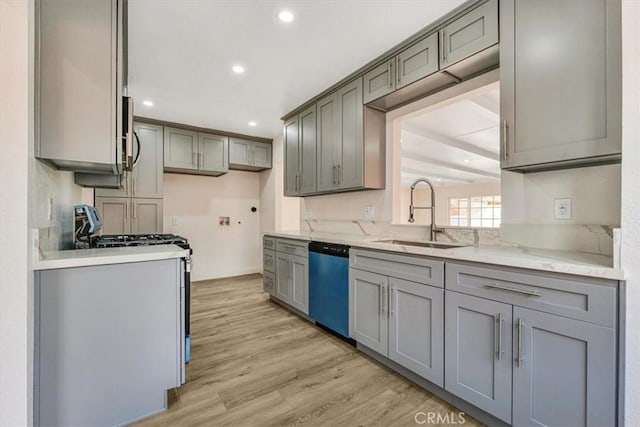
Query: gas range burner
[[122, 240]]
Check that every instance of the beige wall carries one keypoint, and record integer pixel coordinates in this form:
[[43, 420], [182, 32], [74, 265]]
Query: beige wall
[[192, 207]]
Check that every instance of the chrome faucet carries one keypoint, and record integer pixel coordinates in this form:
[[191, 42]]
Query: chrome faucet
[[434, 229]]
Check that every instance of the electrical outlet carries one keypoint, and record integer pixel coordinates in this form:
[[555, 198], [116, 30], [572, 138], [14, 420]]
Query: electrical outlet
[[369, 212], [224, 220], [562, 208]]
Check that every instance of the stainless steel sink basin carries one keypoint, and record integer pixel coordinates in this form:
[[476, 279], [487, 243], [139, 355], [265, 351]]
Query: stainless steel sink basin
[[436, 245]]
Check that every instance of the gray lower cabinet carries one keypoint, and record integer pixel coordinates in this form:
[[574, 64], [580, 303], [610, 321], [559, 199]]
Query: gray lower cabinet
[[560, 92], [249, 155], [108, 342], [399, 319], [146, 179], [416, 328], [124, 215], [188, 151], [469, 34], [368, 320], [79, 78], [564, 371], [479, 352], [291, 275]]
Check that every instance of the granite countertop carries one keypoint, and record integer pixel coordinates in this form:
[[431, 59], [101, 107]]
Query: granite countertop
[[567, 262], [89, 257]]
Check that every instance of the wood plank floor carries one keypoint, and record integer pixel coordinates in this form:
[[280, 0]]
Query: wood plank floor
[[253, 363]]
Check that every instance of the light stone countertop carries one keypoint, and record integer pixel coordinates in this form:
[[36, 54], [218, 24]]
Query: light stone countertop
[[90, 257], [567, 262]]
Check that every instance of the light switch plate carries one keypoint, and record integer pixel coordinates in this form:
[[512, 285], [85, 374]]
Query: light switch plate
[[369, 212], [562, 208]]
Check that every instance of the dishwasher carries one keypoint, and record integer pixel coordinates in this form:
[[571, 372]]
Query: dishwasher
[[329, 286]]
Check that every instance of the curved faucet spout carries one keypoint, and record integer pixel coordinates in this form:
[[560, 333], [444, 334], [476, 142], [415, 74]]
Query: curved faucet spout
[[432, 208]]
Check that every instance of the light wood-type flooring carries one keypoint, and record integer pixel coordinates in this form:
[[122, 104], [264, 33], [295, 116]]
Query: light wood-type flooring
[[253, 363]]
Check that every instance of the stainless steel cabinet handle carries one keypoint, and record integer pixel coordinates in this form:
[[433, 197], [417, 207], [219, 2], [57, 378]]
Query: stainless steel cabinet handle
[[391, 301], [383, 298], [389, 80], [520, 358], [128, 166], [443, 59], [398, 73], [339, 174], [505, 139], [510, 289], [126, 210], [500, 320], [334, 174]]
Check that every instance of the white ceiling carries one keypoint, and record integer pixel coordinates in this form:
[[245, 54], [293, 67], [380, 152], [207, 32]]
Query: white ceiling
[[455, 144], [181, 54]]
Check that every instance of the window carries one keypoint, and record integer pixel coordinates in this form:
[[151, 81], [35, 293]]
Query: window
[[480, 211]]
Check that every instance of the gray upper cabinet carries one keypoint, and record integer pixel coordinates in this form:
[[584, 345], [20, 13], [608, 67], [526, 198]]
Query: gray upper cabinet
[[180, 149], [78, 84], [478, 352], [564, 372], [213, 154], [291, 157], [417, 61], [368, 320], [188, 151], [381, 81], [559, 106], [469, 34], [327, 135], [146, 178], [124, 215], [416, 328], [249, 155], [348, 150], [300, 153]]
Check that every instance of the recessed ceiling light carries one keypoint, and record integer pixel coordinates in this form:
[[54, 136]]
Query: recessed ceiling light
[[252, 124], [148, 103], [466, 160], [238, 69], [285, 16]]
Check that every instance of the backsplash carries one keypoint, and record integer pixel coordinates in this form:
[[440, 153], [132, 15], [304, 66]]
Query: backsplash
[[384, 229], [596, 239]]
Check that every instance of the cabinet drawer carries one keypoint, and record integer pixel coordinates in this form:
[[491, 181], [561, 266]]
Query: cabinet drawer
[[293, 247], [269, 242], [269, 261], [414, 268], [269, 282], [588, 300]]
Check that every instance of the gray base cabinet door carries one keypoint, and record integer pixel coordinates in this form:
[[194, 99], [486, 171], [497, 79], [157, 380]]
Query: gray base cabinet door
[[561, 104], [299, 272], [564, 373], [368, 322], [283, 278], [416, 328], [478, 341], [180, 148], [146, 216]]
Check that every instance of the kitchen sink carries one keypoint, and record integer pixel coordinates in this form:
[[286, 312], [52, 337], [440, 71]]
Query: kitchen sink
[[424, 244]]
